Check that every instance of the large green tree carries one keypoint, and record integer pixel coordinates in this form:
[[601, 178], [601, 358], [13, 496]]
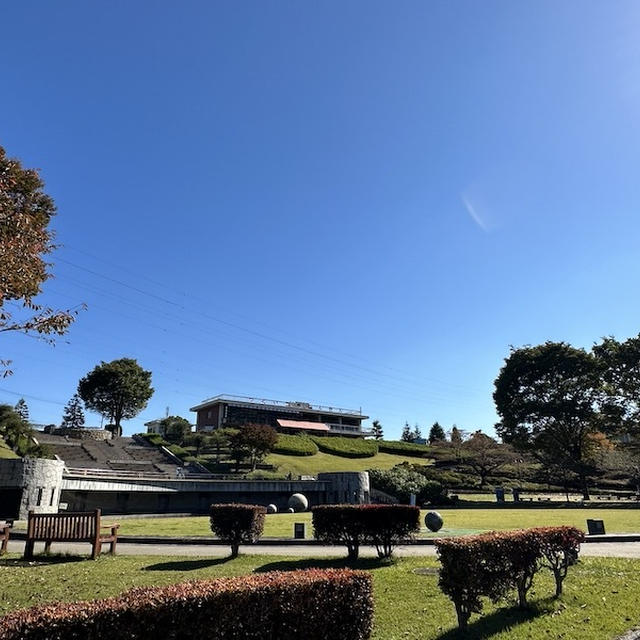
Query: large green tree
[[548, 399], [73, 416], [25, 241], [484, 455], [176, 429], [436, 433], [119, 390], [252, 442]]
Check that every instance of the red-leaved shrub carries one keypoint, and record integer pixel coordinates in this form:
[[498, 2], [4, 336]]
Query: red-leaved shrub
[[313, 604], [237, 523], [339, 524]]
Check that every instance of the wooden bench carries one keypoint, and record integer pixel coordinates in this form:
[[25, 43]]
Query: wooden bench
[[69, 527], [5, 528]]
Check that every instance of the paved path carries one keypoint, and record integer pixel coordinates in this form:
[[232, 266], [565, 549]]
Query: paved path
[[602, 549]]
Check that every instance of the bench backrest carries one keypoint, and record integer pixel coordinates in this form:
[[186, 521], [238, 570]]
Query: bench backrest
[[63, 526]]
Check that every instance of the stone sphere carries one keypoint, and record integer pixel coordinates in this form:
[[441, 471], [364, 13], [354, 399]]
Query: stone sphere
[[271, 508], [434, 521], [298, 503], [290, 510]]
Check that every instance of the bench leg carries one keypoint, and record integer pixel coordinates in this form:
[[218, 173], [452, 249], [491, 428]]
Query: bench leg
[[5, 542], [97, 548], [112, 546], [28, 550], [47, 546]]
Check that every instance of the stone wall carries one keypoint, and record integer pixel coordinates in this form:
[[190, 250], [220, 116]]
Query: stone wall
[[346, 487], [83, 434]]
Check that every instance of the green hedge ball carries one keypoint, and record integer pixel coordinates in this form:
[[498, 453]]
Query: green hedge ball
[[434, 521]]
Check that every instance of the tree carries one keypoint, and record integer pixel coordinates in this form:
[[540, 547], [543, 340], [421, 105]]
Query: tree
[[25, 213], [406, 436], [436, 433], [175, 429], [547, 397], [219, 439], [485, 456], [376, 428], [456, 437], [118, 390], [253, 442], [22, 409], [17, 433], [73, 417], [416, 434]]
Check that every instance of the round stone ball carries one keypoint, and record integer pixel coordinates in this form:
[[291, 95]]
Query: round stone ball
[[271, 508], [298, 503], [434, 521], [290, 510]]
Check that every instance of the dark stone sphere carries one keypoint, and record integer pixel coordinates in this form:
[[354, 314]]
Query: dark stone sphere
[[434, 521]]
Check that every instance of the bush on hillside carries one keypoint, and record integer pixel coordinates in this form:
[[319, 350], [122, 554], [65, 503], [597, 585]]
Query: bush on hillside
[[237, 523], [346, 447], [401, 481], [400, 448], [289, 445], [313, 604]]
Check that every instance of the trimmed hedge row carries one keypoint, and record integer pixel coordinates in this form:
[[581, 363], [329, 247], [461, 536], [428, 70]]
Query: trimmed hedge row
[[346, 447], [237, 523], [289, 445], [384, 526], [400, 448], [313, 604], [492, 564], [157, 440]]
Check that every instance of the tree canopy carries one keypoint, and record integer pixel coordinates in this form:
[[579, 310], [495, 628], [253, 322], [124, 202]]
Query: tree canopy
[[118, 390], [253, 442], [176, 429], [73, 416], [484, 455], [25, 240], [436, 433], [376, 429]]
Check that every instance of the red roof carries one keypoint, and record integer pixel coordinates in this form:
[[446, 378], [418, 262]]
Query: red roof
[[302, 424]]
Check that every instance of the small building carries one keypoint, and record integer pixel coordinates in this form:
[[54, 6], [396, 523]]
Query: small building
[[285, 417]]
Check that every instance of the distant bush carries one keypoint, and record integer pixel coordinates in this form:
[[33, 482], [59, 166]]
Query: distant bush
[[490, 565], [289, 445], [400, 448], [346, 447], [384, 526], [401, 481], [313, 604], [237, 523]]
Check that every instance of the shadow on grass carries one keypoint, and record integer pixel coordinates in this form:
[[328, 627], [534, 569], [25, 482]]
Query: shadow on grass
[[323, 563], [42, 559], [186, 565], [500, 620]]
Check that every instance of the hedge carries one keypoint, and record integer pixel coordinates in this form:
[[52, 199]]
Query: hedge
[[313, 604], [384, 526], [490, 565], [237, 523], [404, 448], [346, 447], [295, 445], [157, 440]]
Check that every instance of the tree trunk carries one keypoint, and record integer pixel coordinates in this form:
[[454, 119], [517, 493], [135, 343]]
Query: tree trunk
[[558, 578], [463, 616], [235, 548], [585, 487], [353, 551]]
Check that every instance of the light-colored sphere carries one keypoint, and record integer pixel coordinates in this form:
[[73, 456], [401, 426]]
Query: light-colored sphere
[[298, 502], [290, 510], [434, 521], [271, 508]]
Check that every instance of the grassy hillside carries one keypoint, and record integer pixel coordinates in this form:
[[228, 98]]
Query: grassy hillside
[[311, 465], [5, 452]]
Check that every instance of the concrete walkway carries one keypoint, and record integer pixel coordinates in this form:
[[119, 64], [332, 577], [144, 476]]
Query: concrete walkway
[[602, 549]]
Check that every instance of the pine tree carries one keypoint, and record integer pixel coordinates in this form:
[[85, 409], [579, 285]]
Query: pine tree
[[406, 436], [376, 428], [417, 433], [22, 409], [73, 417], [437, 433]]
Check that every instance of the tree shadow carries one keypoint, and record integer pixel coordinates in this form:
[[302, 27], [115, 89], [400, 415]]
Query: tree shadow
[[42, 559], [187, 565], [323, 563], [500, 620]]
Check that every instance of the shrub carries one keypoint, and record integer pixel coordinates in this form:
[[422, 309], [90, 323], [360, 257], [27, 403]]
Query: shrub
[[384, 526], [237, 523], [295, 445], [491, 564], [312, 604], [404, 448], [402, 481], [346, 447]]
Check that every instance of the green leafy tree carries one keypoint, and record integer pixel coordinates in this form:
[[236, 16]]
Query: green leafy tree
[[436, 433], [25, 240], [219, 440], [22, 409], [175, 429], [484, 456], [252, 442], [547, 397], [73, 417], [376, 428], [119, 390], [17, 433]]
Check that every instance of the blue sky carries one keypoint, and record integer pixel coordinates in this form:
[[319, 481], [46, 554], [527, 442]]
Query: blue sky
[[360, 204]]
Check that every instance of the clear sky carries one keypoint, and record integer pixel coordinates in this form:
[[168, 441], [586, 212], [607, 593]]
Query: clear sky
[[360, 204]]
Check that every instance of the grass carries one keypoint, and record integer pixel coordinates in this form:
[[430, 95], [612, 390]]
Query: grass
[[599, 601], [5, 451], [456, 521], [325, 462]]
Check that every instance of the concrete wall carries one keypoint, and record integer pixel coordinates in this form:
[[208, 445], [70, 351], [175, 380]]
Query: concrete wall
[[346, 487]]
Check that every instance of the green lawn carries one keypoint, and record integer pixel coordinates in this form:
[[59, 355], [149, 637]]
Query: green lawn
[[456, 521], [599, 601], [5, 451], [311, 465]]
